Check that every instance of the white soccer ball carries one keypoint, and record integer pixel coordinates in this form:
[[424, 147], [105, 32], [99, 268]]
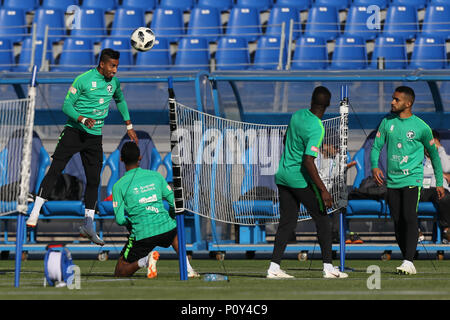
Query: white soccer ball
[[142, 39]]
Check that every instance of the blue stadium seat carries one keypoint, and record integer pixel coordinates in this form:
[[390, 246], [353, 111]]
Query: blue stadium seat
[[392, 49], [54, 18], [437, 21], [9, 174], [310, 53], [59, 4], [380, 3], [126, 20], [124, 47], [92, 25], [156, 59], [222, 5], [418, 4], [107, 5], [323, 22], [192, 54], [267, 54], [13, 24], [184, 5], [339, 4], [25, 54], [244, 22], [168, 23], [77, 55], [300, 5], [443, 2], [401, 21], [428, 53], [28, 5], [6, 55], [349, 53], [356, 25], [277, 16], [69, 208], [205, 22], [261, 5], [232, 54], [145, 5], [151, 159]]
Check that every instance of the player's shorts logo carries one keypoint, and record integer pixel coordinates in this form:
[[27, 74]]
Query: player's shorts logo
[[410, 135]]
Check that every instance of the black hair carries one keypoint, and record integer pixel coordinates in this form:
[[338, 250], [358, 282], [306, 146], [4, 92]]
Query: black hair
[[130, 153], [321, 97], [436, 135], [407, 91], [109, 53]]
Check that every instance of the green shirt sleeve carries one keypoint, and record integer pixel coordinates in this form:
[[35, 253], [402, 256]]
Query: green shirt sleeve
[[380, 140], [168, 195], [314, 142], [72, 96], [120, 102], [428, 142], [119, 206]]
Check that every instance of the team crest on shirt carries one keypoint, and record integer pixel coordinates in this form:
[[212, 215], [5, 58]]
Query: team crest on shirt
[[109, 87], [410, 135]]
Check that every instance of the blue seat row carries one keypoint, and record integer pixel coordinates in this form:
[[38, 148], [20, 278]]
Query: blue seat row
[[221, 4], [401, 20]]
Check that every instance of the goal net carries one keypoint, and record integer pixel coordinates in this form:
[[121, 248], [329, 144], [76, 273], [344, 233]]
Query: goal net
[[16, 134], [228, 167]]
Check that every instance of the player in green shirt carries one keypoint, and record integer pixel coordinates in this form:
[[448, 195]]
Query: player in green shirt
[[140, 194], [86, 105], [405, 136], [298, 181]]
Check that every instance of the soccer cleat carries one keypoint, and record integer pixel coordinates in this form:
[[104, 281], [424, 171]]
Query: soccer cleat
[[406, 268], [280, 274], [334, 274], [193, 274], [91, 235], [153, 257]]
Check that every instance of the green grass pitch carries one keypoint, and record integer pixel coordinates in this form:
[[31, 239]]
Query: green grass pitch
[[246, 281]]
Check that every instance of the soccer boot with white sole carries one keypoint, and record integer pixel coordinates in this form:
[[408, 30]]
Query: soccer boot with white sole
[[153, 257], [334, 274], [89, 233], [280, 274], [406, 268]]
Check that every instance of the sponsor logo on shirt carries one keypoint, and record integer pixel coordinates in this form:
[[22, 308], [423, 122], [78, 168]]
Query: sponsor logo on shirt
[[315, 149], [115, 204], [378, 134], [169, 188], [152, 198], [151, 208], [392, 128], [94, 84], [431, 142]]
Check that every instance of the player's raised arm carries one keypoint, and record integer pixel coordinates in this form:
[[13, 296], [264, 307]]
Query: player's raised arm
[[123, 109]]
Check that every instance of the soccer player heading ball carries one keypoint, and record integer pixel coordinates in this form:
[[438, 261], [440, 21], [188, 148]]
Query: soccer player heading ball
[[86, 105]]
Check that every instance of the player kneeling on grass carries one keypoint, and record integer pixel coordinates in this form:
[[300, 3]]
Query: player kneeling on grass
[[140, 193]]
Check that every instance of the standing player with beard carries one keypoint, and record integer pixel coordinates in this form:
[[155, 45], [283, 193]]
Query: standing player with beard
[[86, 105], [405, 136]]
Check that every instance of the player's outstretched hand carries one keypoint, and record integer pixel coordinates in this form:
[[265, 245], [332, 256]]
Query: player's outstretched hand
[[378, 176], [133, 136], [441, 192], [87, 122]]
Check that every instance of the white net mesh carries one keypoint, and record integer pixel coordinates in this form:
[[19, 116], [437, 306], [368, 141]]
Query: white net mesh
[[228, 167], [16, 129]]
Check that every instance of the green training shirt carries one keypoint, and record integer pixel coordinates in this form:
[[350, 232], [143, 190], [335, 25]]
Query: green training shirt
[[89, 96], [303, 137], [405, 140], [140, 193]]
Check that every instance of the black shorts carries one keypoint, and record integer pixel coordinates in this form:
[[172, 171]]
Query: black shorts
[[135, 250]]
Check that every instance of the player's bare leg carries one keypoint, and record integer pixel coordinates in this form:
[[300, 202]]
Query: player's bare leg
[[191, 272]]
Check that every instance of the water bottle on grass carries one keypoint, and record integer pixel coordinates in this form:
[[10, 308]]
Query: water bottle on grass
[[215, 277]]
